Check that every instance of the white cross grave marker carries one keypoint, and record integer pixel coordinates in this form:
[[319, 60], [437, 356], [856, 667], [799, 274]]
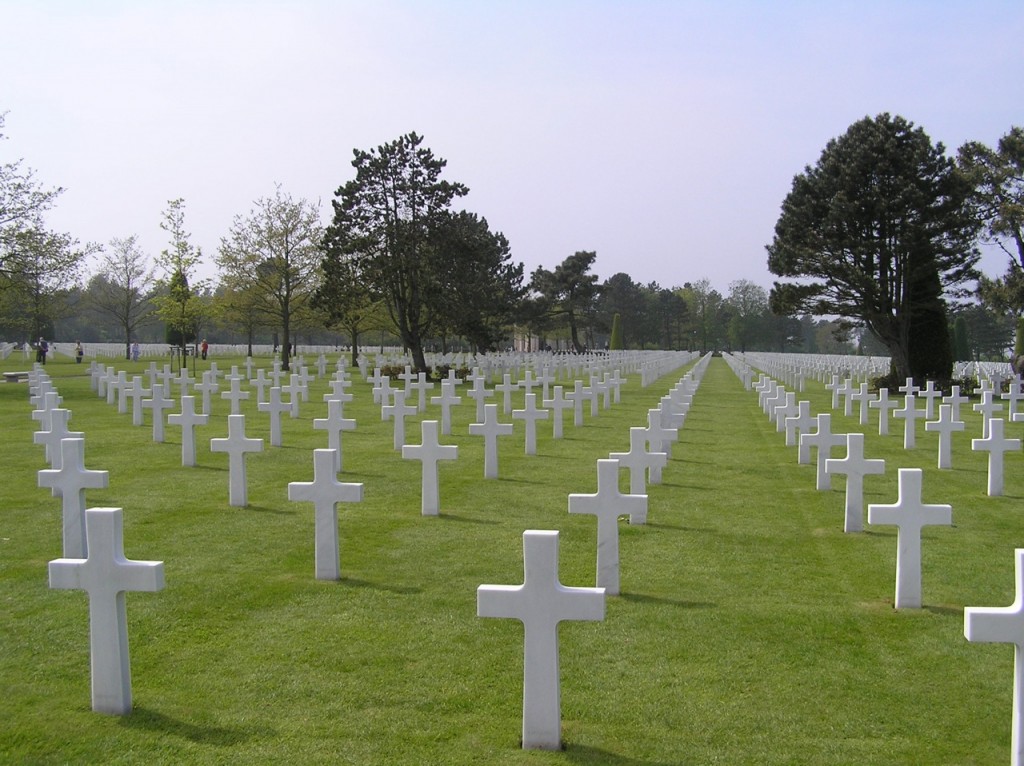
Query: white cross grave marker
[[325, 492], [1005, 625], [188, 419], [530, 415], [909, 515], [276, 407], [51, 438], [429, 451], [856, 467], [945, 426], [823, 440], [558, 403], [235, 393], [399, 411], [237, 445], [158, 404], [69, 483], [909, 414], [334, 424], [884, 404], [105, 574], [136, 392], [491, 429], [607, 504], [447, 400], [540, 603], [996, 445], [638, 460]]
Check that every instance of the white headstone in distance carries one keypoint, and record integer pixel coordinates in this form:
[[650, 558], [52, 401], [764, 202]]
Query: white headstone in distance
[[540, 603], [325, 492], [429, 452], [105, 574], [909, 515]]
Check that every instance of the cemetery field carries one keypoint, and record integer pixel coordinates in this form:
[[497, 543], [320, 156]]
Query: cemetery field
[[750, 628]]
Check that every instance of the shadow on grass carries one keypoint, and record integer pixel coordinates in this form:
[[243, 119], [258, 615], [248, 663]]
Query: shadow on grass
[[404, 590], [596, 756], [151, 720], [643, 598], [677, 527], [265, 509], [465, 519]]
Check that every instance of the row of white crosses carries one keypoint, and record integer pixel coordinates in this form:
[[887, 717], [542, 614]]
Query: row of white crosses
[[981, 624], [542, 602]]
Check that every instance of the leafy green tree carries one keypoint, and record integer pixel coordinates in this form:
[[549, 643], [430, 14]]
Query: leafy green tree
[[961, 341], [346, 302], [386, 219], [615, 341], [271, 258], [569, 291], [749, 305], [998, 180], [480, 286], [121, 288], [620, 295], [179, 304], [870, 233], [706, 328]]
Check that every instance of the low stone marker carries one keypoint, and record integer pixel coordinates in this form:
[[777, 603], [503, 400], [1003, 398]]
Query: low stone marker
[[105, 574], [909, 515], [188, 419], [540, 603], [1005, 625], [237, 445], [490, 429], [607, 504], [429, 452], [855, 466], [325, 492], [69, 483]]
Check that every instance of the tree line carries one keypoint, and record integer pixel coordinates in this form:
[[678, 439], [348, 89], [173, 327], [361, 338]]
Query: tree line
[[398, 260]]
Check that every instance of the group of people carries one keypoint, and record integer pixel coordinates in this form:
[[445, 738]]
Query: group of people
[[43, 348]]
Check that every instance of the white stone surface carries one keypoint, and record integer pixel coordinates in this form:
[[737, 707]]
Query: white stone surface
[[855, 466], [69, 483], [105, 574], [325, 492], [237, 445], [909, 514], [540, 603], [429, 451]]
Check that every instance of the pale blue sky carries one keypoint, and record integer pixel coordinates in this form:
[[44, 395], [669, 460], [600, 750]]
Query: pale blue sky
[[663, 135]]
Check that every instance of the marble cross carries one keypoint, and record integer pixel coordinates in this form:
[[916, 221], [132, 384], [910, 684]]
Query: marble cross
[[988, 408], [490, 429], [638, 460], [158, 403], [530, 414], [557, 404], [136, 392], [823, 440], [69, 483], [945, 426], [235, 394], [909, 515], [429, 452], [51, 438], [607, 504], [799, 425], [334, 424], [955, 400], [1005, 625], [909, 414], [996, 445], [325, 492], [276, 407], [447, 400], [929, 393], [855, 467], [420, 386], [105, 574], [188, 419], [884, 405], [399, 411], [540, 603], [237, 445]]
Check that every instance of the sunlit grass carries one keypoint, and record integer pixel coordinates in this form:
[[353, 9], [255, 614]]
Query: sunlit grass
[[750, 628]]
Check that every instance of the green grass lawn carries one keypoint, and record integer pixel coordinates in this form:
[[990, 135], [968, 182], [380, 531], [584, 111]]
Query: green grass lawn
[[750, 629]]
